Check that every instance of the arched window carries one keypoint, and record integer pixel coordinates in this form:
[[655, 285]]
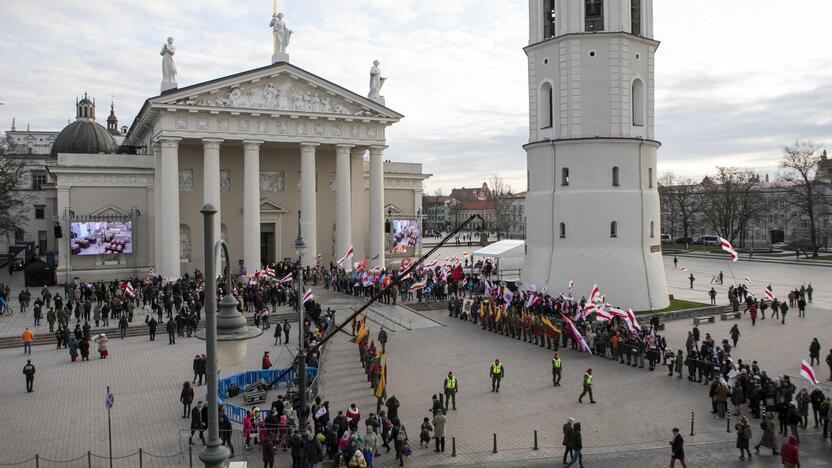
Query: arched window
[[638, 102], [652, 225], [615, 176], [594, 15], [635, 17], [650, 177], [547, 105], [564, 176], [613, 229], [562, 230]]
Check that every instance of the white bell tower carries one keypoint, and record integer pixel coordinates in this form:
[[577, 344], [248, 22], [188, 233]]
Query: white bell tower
[[592, 206]]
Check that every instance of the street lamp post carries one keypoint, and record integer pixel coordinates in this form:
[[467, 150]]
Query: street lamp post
[[300, 248], [229, 329]]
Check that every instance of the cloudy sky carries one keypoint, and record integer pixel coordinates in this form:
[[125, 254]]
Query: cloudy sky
[[735, 80]]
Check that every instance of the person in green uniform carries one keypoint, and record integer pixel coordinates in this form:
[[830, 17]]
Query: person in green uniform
[[556, 369], [587, 387], [451, 387], [497, 372]]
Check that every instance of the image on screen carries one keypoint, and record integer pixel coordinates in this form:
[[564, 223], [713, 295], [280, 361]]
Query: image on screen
[[405, 235], [101, 237]]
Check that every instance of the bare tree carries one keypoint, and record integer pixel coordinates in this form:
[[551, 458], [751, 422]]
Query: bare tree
[[501, 195], [730, 200], [679, 197], [799, 166], [438, 192], [12, 206]]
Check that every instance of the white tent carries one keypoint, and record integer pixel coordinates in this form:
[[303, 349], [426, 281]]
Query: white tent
[[508, 257]]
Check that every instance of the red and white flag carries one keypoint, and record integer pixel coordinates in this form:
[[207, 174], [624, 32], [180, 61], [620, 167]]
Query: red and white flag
[[748, 280], [726, 246], [618, 312], [684, 268], [418, 285], [588, 309], [576, 335], [595, 294], [346, 256], [128, 288], [808, 373], [308, 297], [602, 315], [406, 263], [533, 300], [286, 279], [769, 293], [632, 323], [429, 264]]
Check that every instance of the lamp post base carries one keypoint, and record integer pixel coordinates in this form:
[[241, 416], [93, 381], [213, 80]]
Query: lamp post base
[[215, 455]]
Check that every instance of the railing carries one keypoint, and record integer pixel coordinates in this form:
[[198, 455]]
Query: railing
[[140, 457]]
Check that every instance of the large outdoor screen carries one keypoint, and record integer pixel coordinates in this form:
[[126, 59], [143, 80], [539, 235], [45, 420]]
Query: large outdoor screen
[[405, 235], [101, 237]]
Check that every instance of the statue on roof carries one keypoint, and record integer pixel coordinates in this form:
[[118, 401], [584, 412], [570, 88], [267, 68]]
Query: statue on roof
[[376, 82], [168, 66], [282, 35]]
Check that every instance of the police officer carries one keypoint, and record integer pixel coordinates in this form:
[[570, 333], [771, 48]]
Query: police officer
[[556, 368], [497, 372], [451, 387], [587, 387]]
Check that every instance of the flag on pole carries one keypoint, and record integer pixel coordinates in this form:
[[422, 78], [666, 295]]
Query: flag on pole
[[748, 280], [576, 335], [346, 256], [769, 293], [406, 263], [128, 288], [808, 373], [545, 321], [631, 321], [382, 380], [308, 297], [418, 285], [602, 315], [286, 279], [595, 294], [726, 246], [571, 283]]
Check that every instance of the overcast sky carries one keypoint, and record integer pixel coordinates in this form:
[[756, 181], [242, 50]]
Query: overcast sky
[[735, 80]]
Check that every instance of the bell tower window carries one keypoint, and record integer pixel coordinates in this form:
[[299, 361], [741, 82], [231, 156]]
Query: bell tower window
[[593, 15], [547, 101], [638, 102], [548, 19], [635, 17]]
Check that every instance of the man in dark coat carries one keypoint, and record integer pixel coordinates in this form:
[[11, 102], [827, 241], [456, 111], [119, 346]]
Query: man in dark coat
[[29, 372], [677, 449], [170, 327], [197, 424], [567, 438], [151, 328]]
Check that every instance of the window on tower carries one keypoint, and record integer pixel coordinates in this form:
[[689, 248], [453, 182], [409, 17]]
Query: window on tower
[[547, 111], [650, 177], [635, 17], [638, 102], [562, 230], [594, 15], [564, 176], [615, 176], [613, 229], [548, 19], [652, 226]]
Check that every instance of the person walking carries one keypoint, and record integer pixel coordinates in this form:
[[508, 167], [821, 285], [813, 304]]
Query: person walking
[[170, 327], [576, 442], [103, 346], [382, 339], [286, 328], [497, 372], [692, 279], [29, 372], [567, 439], [587, 387], [451, 387], [675, 262], [735, 334], [197, 424], [814, 352], [556, 370], [186, 397], [266, 362], [712, 295], [122, 326], [677, 449], [399, 435], [783, 309], [151, 328], [225, 431], [278, 334], [743, 437], [769, 438], [27, 337], [790, 454], [267, 446]]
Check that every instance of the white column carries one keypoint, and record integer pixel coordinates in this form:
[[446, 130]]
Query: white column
[[308, 203], [343, 203], [376, 253], [359, 204], [157, 207], [168, 240], [211, 184], [251, 205], [64, 262]]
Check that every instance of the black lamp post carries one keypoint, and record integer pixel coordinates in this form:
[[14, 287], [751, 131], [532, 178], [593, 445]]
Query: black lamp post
[[300, 249]]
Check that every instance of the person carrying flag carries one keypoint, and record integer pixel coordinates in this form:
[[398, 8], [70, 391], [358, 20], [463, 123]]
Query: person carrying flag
[[587, 387], [497, 372]]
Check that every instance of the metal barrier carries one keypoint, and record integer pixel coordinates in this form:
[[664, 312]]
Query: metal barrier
[[236, 414]]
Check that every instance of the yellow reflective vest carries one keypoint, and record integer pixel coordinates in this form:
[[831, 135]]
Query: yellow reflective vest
[[556, 363], [497, 369], [587, 379], [450, 383]]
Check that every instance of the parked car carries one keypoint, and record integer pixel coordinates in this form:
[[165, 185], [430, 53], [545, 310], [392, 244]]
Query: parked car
[[707, 240], [683, 240], [778, 245], [666, 238]]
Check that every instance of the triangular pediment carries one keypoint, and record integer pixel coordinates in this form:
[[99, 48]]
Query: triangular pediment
[[393, 209], [110, 210], [267, 206], [280, 88]]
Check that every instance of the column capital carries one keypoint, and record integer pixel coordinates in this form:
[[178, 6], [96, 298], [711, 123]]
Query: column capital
[[308, 144], [377, 150], [168, 142], [212, 142], [252, 144], [344, 146]]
